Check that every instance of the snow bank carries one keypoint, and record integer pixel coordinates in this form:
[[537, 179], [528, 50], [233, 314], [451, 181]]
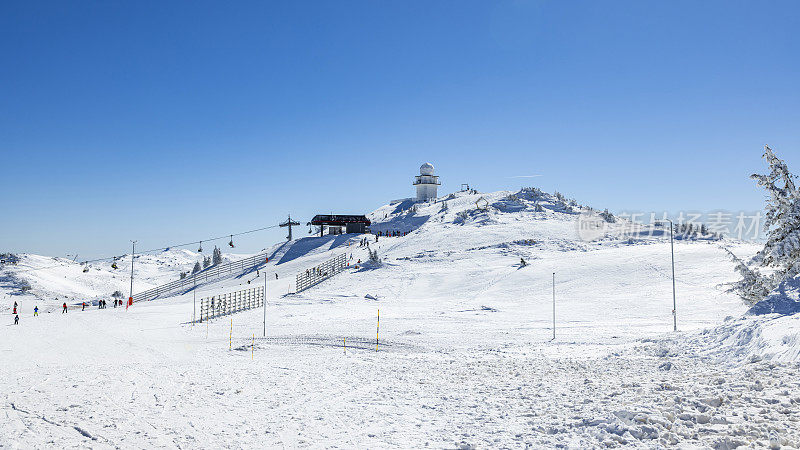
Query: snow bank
[[770, 331], [785, 299], [750, 339]]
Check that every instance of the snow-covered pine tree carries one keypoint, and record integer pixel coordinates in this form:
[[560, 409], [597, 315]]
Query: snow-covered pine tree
[[373, 257], [753, 287], [607, 216], [782, 250], [217, 256], [197, 268], [206, 261]]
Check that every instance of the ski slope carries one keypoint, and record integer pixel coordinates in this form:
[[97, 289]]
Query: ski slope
[[464, 355]]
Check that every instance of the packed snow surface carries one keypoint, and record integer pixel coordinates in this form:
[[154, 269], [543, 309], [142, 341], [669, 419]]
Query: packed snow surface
[[462, 356]]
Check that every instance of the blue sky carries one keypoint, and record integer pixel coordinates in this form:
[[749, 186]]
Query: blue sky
[[173, 121]]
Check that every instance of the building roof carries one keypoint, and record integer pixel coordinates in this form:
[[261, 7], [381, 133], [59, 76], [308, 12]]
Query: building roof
[[338, 220]]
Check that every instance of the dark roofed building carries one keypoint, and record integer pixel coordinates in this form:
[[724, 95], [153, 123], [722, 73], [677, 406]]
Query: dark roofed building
[[335, 222]]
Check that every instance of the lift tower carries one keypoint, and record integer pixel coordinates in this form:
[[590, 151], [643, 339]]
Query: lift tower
[[289, 223]]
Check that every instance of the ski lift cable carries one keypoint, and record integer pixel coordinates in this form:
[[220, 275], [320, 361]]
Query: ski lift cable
[[160, 249]]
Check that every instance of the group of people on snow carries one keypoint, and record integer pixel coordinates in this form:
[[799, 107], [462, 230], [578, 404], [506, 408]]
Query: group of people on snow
[[16, 315], [392, 233], [101, 304]]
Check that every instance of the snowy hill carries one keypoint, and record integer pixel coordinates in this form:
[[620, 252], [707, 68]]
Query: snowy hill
[[464, 356], [54, 280]]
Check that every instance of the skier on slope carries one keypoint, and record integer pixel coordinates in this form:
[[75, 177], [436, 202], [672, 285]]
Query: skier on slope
[[35, 311], [65, 308], [83, 306], [16, 320]]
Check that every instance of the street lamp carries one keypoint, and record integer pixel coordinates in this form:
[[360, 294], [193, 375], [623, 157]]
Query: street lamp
[[672, 249], [133, 253]]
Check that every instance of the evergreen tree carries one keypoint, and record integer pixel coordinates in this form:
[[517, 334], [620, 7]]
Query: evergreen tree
[[782, 223], [607, 216], [217, 256], [206, 261], [753, 287], [197, 268], [781, 253]]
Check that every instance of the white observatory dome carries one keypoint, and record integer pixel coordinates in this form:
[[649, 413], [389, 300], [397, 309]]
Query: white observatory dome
[[426, 169]]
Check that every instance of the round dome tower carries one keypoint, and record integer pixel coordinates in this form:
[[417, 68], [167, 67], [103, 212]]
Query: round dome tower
[[427, 183]]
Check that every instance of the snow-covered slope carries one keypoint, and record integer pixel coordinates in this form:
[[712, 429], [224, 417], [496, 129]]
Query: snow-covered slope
[[54, 280], [465, 356]]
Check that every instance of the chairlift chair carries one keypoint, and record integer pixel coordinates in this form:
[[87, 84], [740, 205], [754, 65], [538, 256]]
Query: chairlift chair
[[231, 242], [200, 250]]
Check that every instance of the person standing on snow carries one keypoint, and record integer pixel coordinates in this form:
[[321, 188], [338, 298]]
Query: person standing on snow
[[65, 308], [83, 306], [16, 320], [35, 311]]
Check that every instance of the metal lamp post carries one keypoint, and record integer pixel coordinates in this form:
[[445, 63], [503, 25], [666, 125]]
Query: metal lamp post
[[133, 254], [672, 249]]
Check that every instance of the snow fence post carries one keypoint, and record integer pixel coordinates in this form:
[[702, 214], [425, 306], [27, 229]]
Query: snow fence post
[[378, 330], [554, 306]]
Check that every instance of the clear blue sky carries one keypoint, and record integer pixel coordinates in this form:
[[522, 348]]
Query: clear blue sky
[[172, 121]]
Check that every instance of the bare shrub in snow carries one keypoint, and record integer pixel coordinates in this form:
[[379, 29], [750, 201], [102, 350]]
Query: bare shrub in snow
[[461, 217]]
